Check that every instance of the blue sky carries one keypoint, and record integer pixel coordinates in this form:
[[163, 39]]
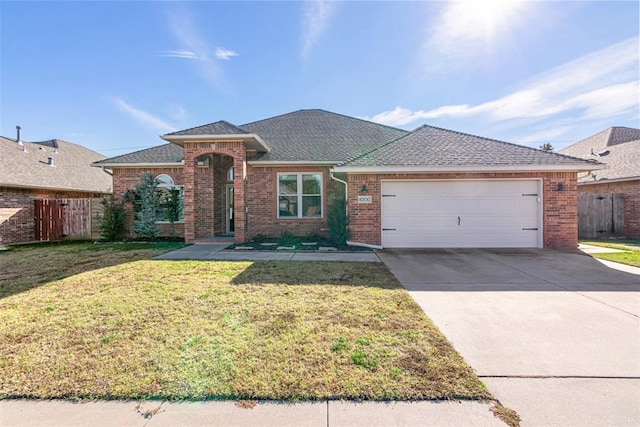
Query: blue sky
[[112, 76]]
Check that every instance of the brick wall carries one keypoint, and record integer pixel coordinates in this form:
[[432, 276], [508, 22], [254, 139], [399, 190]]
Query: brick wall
[[631, 192], [262, 203], [125, 179], [17, 223], [560, 208]]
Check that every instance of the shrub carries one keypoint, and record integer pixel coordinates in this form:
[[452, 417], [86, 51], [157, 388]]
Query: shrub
[[338, 220], [148, 202], [113, 219]]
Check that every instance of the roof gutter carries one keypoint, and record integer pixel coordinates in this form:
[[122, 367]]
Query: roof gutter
[[138, 165], [292, 163], [467, 169], [609, 181]]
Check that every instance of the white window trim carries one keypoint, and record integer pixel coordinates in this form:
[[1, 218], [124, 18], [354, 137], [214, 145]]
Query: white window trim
[[300, 195], [169, 187]]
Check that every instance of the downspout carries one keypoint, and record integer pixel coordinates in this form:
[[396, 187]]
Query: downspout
[[346, 197], [107, 172], [346, 188]]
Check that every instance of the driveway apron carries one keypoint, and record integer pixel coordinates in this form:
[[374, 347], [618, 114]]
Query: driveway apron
[[554, 335]]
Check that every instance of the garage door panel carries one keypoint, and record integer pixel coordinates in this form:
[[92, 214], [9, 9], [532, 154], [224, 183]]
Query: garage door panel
[[461, 213]]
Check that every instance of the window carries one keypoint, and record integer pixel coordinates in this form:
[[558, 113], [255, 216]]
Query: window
[[170, 207], [230, 174], [300, 195]]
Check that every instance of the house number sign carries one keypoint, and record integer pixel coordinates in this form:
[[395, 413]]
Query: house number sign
[[364, 199]]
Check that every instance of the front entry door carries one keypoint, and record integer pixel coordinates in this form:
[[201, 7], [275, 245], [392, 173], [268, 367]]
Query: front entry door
[[229, 209]]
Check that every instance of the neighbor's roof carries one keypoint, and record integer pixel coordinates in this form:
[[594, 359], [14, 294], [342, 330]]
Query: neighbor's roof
[[617, 147], [432, 147], [71, 168], [162, 154]]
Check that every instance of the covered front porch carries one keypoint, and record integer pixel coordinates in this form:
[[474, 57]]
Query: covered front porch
[[215, 171]]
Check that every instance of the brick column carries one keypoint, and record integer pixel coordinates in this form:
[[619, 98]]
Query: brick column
[[240, 217], [189, 194]]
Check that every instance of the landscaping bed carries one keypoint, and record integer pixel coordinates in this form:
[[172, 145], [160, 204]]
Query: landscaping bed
[[295, 243], [102, 321]]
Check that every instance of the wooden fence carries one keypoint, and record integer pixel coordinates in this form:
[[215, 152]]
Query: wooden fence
[[600, 215], [67, 219]]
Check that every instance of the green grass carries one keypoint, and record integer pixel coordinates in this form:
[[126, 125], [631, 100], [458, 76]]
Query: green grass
[[631, 257], [625, 245], [82, 321]]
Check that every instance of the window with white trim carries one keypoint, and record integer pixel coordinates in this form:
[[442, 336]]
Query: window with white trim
[[170, 207], [299, 195]]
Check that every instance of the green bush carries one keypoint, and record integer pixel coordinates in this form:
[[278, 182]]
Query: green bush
[[148, 202], [113, 219], [338, 220]]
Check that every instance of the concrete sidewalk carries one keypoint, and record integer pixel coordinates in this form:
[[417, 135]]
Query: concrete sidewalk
[[17, 413], [218, 252]]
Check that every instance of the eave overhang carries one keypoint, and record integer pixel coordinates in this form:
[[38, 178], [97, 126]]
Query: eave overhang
[[252, 141]]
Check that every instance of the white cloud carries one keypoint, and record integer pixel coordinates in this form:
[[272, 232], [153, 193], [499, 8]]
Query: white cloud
[[179, 113], [195, 47], [540, 137], [186, 54], [317, 14], [598, 85], [143, 117], [225, 54]]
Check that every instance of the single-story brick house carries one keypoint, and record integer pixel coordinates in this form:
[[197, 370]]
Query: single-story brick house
[[430, 187], [619, 149], [53, 169]]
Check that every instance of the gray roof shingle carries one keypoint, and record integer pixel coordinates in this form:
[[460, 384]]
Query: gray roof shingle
[[318, 135], [221, 127], [167, 153], [71, 171], [617, 147], [432, 146]]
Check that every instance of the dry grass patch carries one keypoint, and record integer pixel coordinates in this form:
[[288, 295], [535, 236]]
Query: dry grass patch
[[241, 330]]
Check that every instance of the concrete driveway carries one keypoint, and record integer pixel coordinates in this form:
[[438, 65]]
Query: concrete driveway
[[554, 335]]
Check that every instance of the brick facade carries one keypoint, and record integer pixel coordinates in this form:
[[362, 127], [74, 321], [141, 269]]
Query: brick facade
[[560, 208], [200, 194], [205, 198], [262, 203], [631, 192], [17, 211]]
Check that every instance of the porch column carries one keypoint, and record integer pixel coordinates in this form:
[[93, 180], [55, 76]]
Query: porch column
[[189, 194], [240, 217]]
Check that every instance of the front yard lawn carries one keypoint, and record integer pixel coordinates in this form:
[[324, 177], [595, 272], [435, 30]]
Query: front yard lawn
[[119, 325], [631, 257]]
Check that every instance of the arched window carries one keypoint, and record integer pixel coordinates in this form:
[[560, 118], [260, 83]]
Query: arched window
[[170, 200], [164, 181], [230, 174]]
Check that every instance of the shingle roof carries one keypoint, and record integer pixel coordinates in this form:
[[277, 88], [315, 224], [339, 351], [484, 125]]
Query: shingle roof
[[221, 127], [167, 153], [432, 146], [617, 147], [318, 135], [71, 171]]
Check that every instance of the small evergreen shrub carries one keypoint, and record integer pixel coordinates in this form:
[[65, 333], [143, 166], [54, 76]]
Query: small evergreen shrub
[[113, 219], [148, 202], [337, 219]]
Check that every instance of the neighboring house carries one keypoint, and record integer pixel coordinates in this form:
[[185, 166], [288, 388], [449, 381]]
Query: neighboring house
[[427, 188], [619, 149], [53, 169]]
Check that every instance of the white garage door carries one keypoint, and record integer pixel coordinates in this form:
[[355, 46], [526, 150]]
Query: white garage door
[[461, 214]]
